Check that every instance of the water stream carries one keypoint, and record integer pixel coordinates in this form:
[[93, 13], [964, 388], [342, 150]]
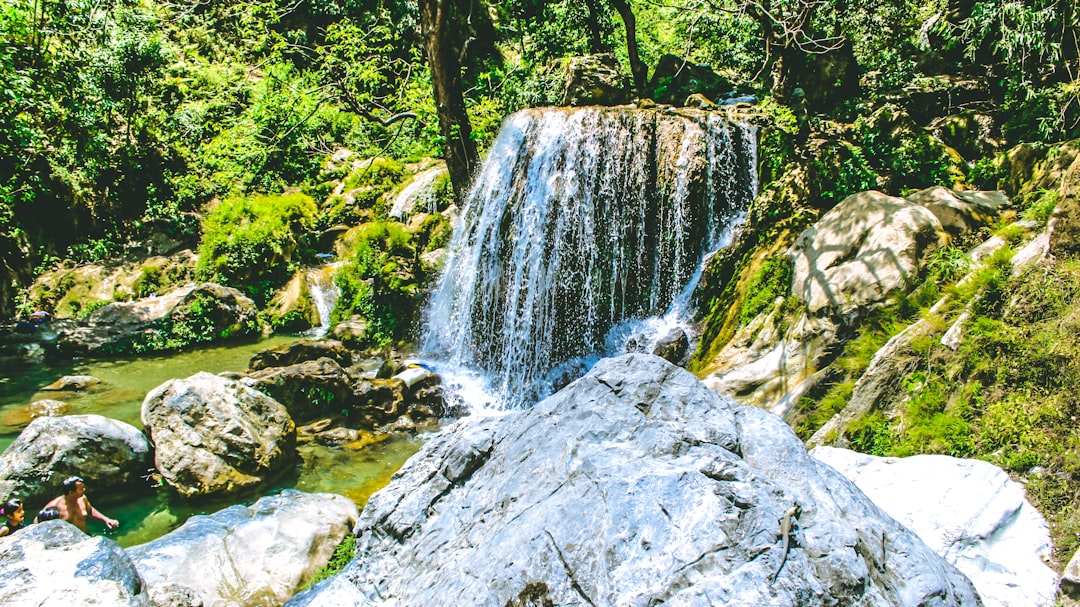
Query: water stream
[[324, 293], [583, 222]]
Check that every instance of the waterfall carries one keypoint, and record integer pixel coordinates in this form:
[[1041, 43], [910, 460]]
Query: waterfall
[[324, 293], [580, 220]]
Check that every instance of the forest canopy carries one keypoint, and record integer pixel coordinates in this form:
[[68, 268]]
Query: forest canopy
[[123, 116]]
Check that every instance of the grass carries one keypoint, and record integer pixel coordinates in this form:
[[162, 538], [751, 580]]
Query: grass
[[343, 555]]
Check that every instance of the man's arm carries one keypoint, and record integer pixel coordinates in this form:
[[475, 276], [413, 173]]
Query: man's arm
[[111, 523]]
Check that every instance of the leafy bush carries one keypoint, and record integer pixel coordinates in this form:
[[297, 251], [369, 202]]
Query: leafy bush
[[254, 243], [381, 282]]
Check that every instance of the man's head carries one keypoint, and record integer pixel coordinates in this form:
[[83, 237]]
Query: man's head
[[73, 484]]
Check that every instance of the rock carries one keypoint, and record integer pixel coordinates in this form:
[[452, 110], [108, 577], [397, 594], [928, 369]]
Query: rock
[[301, 351], [195, 313], [174, 595], [292, 308], [352, 332], [697, 100], [54, 563], [39, 408], [676, 81], [70, 291], [72, 383], [309, 390], [595, 80], [770, 363], [112, 456], [372, 368], [673, 347], [969, 512], [379, 401], [635, 485], [1070, 578], [960, 212], [214, 435], [249, 555], [863, 250], [969, 133]]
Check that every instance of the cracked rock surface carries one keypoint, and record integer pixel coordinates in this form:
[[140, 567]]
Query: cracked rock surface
[[633, 486]]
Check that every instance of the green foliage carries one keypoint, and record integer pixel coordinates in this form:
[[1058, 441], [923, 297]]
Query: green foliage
[[772, 280], [343, 554], [381, 282], [254, 243]]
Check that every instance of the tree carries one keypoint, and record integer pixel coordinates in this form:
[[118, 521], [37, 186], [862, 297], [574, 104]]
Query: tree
[[638, 69], [446, 28]]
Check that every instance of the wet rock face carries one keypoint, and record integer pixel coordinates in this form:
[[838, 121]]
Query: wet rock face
[[214, 435], [635, 485], [111, 455], [54, 563], [247, 555]]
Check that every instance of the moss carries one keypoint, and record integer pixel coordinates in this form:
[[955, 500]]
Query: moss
[[772, 280]]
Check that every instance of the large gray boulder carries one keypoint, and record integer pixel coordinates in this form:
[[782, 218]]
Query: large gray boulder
[[194, 313], [633, 486], [214, 435], [249, 555], [54, 564], [969, 511], [112, 456], [864, 249]]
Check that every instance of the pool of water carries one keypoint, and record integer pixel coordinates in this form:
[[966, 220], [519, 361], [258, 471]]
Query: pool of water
[[355, 471]]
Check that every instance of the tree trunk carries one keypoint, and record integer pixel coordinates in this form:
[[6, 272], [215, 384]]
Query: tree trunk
[[596, 40], [638, 69], [442, 30]]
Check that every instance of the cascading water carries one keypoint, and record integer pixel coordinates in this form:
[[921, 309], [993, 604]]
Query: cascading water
[[324, 293], [579, 220]]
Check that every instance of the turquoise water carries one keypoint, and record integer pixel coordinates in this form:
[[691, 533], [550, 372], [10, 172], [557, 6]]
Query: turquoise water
[[354, 471]]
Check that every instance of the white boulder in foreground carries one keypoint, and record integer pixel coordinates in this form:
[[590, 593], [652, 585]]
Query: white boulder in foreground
[[249, 555], [54, 564], [968, 511], [634, 486]]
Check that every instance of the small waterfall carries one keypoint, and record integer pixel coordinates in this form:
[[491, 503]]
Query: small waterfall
[[324, 293], [419, 193], [581, 220]]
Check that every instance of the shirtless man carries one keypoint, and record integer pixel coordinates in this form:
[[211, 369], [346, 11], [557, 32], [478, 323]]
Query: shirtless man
[[75, 508]]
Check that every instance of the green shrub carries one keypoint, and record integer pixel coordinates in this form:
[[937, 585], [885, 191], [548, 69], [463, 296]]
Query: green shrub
[[254, 243], [381, 281]]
